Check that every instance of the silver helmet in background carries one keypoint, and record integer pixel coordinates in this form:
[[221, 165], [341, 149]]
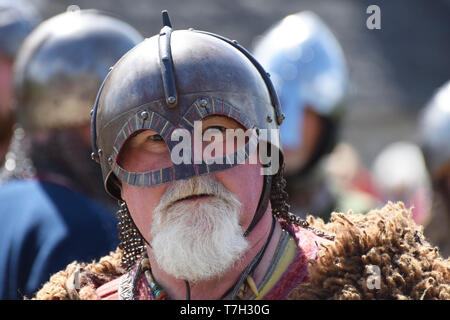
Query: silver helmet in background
[[307, 67], [17, 19], [57, 73], [63, 63], [435, 132]]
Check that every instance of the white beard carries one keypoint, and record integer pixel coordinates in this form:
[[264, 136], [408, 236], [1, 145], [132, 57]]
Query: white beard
[[197, 240]]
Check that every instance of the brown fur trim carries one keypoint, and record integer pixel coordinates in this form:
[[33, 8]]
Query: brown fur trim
[[410, 268], [388, 238], [63, 285]]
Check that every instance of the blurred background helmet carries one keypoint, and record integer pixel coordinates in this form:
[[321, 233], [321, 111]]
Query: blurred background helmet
[[400, 174], [399, 170], [62, 64], [434, 128], [308, 69], [17, 19]]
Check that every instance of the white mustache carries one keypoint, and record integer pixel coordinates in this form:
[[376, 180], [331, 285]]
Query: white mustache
[[196, 186]]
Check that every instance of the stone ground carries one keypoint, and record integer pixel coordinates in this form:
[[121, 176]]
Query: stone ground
[[393, 71]]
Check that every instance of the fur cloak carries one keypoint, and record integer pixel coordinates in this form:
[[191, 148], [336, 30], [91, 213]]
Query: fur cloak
[[387, 239]]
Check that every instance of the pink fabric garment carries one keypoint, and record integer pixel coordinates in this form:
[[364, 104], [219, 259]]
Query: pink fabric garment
[[143, 291], [109, 291]]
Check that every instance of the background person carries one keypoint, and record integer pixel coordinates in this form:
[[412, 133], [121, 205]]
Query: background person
[[52, 211], [309, 71]]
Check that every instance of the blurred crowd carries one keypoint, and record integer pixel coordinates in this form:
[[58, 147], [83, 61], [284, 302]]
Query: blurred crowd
[[53, 208]]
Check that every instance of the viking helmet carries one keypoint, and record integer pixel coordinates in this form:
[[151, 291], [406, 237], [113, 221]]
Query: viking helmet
[[62, 64], [169, 81], [435, 132], [307, 67]]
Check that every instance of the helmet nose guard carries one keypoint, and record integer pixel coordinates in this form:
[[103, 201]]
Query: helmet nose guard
[[169, 81]]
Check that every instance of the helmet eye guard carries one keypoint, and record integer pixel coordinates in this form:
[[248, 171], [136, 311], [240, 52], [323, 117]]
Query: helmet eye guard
[[169, 133]]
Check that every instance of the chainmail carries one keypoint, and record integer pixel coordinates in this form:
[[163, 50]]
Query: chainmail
[[18, 165], [131, 241]]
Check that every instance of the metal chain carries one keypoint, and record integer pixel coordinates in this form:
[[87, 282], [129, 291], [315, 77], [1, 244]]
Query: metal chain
[[131, 241], [280, 205]]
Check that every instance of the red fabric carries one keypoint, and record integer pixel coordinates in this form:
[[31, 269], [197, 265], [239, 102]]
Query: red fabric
[[143, 292], [109, 291]]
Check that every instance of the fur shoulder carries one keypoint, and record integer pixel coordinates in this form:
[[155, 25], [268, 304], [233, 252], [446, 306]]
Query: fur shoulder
[[80, 280], [383, 249]]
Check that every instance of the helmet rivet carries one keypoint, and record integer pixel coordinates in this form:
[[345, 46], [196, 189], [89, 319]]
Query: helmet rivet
[[144, 115], [269, 119], [99, 152], [94, 157], [171, 100], [92, 112], [110, 160], [268, 74], [203, 102], [283, 117], [235, 41]]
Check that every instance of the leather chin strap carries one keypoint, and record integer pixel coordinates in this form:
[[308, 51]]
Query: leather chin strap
[[262, 204]]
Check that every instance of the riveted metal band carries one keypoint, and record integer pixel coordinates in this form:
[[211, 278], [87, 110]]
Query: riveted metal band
[[163, 127], [95, 156], [166, 63]]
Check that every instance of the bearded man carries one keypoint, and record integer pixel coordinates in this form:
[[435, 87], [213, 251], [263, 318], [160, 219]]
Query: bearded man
[[218, 226]]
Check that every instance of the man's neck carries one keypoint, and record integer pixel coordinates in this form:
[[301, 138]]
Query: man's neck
[[217, 287]]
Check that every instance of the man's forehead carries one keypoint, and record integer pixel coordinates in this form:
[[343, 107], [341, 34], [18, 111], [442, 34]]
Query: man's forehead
[[225, 121]]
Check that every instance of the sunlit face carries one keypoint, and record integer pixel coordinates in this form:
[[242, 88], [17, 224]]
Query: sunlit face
[[147, 150], [311, 128]]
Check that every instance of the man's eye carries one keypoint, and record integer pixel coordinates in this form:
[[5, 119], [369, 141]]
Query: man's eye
[[220, 128], [156, 137]]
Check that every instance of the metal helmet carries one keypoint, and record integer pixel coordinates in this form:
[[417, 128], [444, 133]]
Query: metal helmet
[[166, 83], [17, 19], [435, 132], [399, 170], [61, 65], [307, 67]]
